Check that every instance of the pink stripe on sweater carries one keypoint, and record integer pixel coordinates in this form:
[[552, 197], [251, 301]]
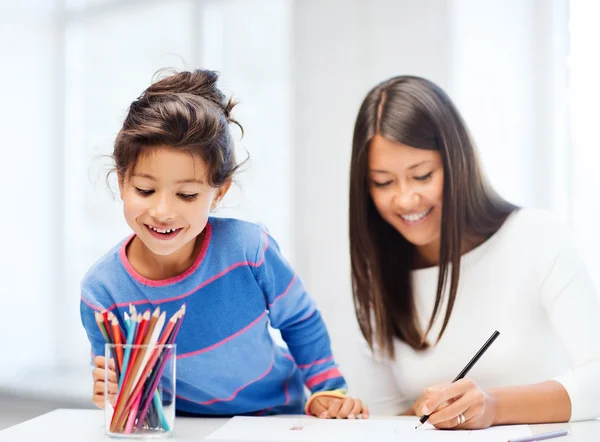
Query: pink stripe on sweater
[[287, 392], [288, 356], [235, 393], [191, 292], [304, 366], [227, 339], [285, 291], [160, 283], [308, 316], [318, 362], [322, 377]]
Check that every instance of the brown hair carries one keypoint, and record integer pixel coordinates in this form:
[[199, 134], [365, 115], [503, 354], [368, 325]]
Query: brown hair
[[185, 111], [415, 112]]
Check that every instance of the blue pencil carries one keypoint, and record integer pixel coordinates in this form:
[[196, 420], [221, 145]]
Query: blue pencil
[[131, 325]]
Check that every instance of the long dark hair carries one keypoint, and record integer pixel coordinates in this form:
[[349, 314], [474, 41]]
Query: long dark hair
[[415, 112]]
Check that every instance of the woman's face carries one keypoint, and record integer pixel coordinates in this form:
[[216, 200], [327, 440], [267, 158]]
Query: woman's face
[[406, 185]]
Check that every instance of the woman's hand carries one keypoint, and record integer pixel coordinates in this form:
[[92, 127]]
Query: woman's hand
[[460, 405], [328, 407], [417, 407]]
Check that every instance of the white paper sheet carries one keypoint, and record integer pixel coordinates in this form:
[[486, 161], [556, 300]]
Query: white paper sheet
[[332, 430]]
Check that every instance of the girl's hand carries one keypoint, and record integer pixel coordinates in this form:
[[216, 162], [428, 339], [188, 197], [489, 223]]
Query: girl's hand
[[328, 407], [98, 375], [460, 405]]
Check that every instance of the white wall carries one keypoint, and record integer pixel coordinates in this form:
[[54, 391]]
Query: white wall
[[29, 151], [509, 80], [584, 98]]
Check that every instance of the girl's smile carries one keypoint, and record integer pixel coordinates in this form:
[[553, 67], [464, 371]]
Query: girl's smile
[[163, 234]]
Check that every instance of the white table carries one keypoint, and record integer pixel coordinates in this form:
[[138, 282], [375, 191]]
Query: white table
[[88, 426]]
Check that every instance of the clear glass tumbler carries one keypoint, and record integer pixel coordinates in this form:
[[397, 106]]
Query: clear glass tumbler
[[144, 406]]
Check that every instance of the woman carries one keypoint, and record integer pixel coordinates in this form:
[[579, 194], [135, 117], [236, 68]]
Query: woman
[[439, 261]]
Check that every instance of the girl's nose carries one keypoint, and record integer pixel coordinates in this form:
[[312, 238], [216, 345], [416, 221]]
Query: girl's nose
[[162, 210]]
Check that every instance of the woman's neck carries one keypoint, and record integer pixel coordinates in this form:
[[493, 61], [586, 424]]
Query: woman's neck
[[160, 267], [429, 254]]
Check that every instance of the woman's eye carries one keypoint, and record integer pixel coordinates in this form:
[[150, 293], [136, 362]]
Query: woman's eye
[[144, 192], [188, 196], [424, 177], [381, 184]]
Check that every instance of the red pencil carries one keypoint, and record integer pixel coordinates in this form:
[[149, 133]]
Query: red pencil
[[107, 325], [118, 337]]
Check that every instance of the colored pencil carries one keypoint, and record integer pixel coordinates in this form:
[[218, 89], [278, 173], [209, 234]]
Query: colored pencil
[[140, 361]]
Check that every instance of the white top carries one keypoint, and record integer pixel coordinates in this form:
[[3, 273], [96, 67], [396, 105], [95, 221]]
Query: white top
[[528, 282]]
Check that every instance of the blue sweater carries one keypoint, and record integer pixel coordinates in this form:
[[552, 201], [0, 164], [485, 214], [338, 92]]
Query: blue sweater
[[227, 361]]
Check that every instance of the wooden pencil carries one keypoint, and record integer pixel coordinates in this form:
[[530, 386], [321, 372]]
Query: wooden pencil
[[118, 338]]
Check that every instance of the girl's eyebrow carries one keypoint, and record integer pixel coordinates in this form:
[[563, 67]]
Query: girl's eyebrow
[[190, 180], [144, 175], [184, 181]]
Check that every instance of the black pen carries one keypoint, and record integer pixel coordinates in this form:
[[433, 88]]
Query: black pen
[[465, 370]]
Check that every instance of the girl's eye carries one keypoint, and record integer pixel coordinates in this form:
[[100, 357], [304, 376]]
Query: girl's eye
[[382, 184], [144, 192], [424, 177], [188, 196]]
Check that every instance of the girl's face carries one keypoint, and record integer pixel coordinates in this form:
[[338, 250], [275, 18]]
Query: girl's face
[[167, 198], [406, 185]]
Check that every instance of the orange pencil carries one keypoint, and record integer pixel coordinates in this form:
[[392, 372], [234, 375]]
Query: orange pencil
[[169, 327], [118, 337], [151, 325]]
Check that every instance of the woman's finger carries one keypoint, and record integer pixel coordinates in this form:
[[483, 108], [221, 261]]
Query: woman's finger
[[437, 397], [447, 416], [462, 421]]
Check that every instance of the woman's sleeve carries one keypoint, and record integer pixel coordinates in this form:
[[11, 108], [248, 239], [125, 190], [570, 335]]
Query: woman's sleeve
[[376, 385], [571, 302]]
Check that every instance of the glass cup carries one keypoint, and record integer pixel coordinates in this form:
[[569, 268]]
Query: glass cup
[[144, 406]]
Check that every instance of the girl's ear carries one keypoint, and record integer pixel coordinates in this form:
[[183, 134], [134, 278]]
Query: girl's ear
[[220, 193]]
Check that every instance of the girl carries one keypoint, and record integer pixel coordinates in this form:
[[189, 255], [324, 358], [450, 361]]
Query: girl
[[174, 158], [439, 261]]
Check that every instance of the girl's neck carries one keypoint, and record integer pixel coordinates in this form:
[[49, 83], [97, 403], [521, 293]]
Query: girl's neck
[[160, 267]]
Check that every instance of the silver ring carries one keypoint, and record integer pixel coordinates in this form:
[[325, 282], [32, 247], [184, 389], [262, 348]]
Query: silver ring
[[461, 419]]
